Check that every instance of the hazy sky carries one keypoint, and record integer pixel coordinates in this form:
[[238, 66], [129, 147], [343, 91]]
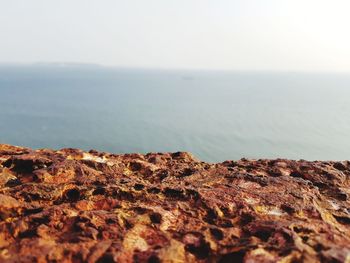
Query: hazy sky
[[312, 35]]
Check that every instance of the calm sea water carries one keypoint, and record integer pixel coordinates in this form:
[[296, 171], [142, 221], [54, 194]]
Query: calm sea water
[[215, 115]]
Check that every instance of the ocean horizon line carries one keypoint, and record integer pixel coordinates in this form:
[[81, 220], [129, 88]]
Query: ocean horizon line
[[87, 65]]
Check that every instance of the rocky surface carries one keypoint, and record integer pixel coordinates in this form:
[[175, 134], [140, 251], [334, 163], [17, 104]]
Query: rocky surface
[[75, 206]]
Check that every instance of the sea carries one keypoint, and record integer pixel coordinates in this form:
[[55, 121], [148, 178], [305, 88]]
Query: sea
[[215, 115]]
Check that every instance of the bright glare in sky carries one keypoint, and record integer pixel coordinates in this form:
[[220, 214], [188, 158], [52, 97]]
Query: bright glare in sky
[[297, 35]]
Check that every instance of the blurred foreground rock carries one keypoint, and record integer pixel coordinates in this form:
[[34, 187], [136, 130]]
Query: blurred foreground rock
[[76, 206]]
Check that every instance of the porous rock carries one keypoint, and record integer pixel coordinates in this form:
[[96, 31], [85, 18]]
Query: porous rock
[[76, 206]]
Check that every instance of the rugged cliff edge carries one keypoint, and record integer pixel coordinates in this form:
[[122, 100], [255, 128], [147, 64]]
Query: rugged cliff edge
[[76, 206]]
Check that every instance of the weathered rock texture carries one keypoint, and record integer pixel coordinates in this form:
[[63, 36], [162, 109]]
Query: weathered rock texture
[[75, 206]]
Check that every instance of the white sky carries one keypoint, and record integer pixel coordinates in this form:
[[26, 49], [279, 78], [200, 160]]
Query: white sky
[[302, 35]]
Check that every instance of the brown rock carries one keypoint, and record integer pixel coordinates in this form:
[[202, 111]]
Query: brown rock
[[76, 206]]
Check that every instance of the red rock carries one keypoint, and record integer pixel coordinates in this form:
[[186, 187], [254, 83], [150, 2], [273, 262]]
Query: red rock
[[76, 206]]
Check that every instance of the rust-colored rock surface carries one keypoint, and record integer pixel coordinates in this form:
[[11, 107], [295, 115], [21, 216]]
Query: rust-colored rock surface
[[76, 206]]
